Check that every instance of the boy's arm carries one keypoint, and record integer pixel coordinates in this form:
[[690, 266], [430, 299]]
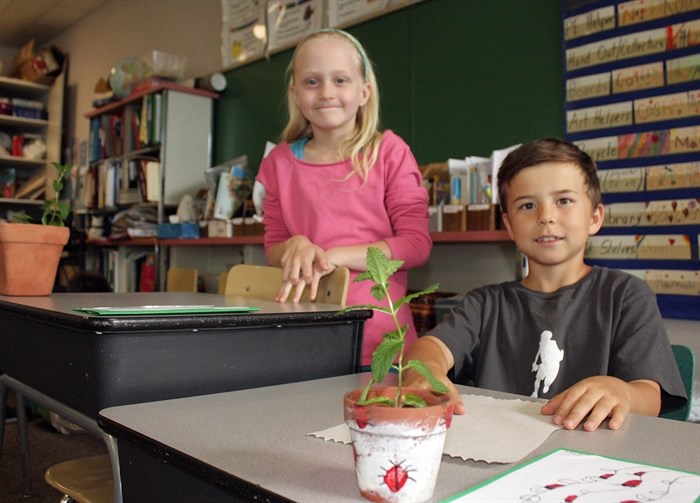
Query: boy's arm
[[438, 358], [601, 397]]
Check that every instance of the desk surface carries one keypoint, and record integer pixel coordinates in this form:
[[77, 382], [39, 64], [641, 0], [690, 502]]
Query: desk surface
[[260, 436], [91, 362], [58, 309]]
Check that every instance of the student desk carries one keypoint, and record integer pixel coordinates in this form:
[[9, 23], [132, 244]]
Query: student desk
[[253, 445], [76, 364]]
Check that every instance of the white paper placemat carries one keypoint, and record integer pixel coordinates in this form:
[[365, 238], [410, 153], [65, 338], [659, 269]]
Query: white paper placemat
[[492, 430]]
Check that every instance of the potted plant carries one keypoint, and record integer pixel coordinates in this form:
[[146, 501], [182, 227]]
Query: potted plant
[[30, 253], [398, 434]]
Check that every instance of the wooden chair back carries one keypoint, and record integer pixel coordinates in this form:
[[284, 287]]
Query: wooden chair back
[[223, 276], [257, 281], [263, 282], [181, 279]]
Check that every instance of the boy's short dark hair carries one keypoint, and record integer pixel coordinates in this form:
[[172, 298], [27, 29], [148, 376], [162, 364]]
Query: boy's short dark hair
[[540, 152]]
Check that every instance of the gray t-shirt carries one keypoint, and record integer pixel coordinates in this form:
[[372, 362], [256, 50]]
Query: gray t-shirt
[[506, 337]]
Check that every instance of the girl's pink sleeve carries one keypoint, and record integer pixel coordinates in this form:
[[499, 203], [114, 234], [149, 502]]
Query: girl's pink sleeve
[[275, 228], [407, 204]]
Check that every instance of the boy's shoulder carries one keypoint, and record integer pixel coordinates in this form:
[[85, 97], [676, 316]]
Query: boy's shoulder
[[610, 281]]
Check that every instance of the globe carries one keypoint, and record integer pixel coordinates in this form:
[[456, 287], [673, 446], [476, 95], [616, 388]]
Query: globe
[[127, 73]]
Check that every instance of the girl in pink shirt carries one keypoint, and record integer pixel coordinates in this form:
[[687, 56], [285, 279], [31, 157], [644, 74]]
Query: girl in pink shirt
[[335, 185]]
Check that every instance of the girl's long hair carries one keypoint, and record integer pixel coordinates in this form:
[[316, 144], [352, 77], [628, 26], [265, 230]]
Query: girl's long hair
[[362, 145]]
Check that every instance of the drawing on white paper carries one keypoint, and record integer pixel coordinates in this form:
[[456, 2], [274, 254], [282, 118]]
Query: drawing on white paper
[[549, 356], [574, 477]]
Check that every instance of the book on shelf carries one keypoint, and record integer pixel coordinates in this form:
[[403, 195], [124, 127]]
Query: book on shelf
[[33, 188], [152, 181], [150, 119]]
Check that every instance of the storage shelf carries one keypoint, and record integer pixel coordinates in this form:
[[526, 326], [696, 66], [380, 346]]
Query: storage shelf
[[24, 87], [22, 202], [437, 237], [470, 236], [10, 160], [111, 243], [141, 91], [23, 122]]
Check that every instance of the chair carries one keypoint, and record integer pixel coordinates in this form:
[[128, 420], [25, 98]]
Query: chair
[[263, 282], [686, 364], [223, 276], [85, 480], [180, 279]]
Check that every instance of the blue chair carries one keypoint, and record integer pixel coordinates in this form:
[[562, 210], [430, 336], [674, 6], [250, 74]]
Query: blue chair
[[686, 364]]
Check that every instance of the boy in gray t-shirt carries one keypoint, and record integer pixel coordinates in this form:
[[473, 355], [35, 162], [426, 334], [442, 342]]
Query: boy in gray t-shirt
[[589, 339]]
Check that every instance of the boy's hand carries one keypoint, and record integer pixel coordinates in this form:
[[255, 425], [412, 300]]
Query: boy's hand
[[602, 397], [415, 380], [438, 358]]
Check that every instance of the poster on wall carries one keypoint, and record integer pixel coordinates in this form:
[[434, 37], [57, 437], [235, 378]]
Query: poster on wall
[[243, 32], [344, 12], [289, 21]]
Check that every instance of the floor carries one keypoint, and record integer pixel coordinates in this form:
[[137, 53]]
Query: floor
[[47, 446]]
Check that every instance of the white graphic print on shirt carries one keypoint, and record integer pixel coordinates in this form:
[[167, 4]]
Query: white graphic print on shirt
[[549, 355]]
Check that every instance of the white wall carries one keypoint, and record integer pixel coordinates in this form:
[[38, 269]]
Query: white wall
[[120, 28]]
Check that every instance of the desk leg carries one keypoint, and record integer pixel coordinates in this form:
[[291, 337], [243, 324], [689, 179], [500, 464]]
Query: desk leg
[[23, 445], [114, 456]]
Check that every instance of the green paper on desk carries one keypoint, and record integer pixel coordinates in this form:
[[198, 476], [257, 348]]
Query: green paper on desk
[[164, 309]]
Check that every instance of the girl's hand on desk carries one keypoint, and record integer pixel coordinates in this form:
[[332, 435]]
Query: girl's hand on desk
[[303, 263], [301, 285]]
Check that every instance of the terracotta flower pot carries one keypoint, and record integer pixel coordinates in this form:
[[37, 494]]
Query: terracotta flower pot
[[29, 256], [397, 451]]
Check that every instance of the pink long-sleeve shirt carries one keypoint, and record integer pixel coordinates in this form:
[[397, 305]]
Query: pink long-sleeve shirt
[[317, 201]]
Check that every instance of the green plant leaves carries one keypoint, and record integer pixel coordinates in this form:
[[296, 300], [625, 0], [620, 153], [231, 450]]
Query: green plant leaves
[[55, 210], [410, 400], [408, 298], [423, 370], [385, 354]]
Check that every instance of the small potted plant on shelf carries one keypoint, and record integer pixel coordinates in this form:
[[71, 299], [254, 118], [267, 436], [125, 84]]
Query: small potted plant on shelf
[[30, 253], [398, 434]]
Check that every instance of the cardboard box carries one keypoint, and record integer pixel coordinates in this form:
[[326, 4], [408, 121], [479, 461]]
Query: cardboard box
[[247, 227], [454, 217], [219, 229], [481, 217]]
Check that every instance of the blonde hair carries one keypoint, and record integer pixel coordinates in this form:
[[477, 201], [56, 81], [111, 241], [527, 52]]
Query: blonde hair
[[362, 145]]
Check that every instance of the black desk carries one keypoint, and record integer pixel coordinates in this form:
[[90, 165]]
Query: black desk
[[254, 445], [81, 364]]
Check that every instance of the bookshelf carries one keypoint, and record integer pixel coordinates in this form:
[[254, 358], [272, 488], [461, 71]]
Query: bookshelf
[[145, 152], [38, 116]]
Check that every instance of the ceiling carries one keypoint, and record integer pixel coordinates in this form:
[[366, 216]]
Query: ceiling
[[43, 20]]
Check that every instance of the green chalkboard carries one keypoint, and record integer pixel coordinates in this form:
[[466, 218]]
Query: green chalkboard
[[456, 78]]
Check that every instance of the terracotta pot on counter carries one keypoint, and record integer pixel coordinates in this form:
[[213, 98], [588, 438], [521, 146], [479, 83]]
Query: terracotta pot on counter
[[29, 257]]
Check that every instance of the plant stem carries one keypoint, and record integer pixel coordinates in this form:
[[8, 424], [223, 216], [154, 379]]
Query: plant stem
[[402, 334]]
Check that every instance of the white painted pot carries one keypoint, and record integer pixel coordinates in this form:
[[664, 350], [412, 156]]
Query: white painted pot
[[397, 451]]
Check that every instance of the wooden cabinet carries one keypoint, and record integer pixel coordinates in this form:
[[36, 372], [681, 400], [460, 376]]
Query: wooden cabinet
[[29, 112]]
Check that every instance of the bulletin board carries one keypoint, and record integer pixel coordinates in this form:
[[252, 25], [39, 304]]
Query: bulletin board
[[252, 29], [455, 77], [632, 101]]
